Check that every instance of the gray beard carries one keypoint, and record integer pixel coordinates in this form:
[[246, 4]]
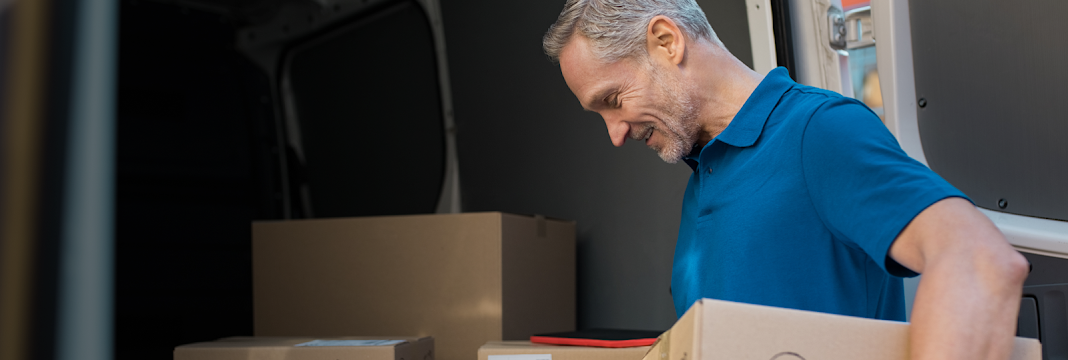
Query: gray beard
[[679, 118]]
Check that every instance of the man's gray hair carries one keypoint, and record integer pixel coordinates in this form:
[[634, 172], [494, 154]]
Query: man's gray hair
[[616, 28]]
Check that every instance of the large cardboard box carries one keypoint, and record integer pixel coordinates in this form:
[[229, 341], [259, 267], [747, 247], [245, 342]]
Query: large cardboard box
[[713, 329], [464, 279], [524, 350], [279, 348]]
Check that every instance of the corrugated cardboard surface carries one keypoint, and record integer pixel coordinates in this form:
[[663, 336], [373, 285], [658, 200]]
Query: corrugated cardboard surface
[[713, 329], [537, 255], [282, 348], [560, 352], [461, 278]]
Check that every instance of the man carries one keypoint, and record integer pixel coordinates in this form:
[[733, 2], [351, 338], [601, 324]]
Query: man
[[800, 197]]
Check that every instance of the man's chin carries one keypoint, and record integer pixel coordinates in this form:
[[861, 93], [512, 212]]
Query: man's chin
[[670, 160], [673, 151], [668, 156]]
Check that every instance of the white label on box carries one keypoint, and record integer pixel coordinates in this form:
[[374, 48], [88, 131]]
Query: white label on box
[[522, 357], [350, 343]]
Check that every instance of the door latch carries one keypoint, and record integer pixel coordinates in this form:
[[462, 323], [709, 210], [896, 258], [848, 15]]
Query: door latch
[[860, 31]]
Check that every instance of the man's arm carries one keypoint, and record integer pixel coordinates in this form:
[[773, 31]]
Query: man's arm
[[969, 295]]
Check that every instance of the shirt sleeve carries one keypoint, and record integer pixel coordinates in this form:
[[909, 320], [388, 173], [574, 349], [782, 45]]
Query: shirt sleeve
[[863, 185]]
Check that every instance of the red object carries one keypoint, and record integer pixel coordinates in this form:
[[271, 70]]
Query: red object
[[591, 342], [853, 4]]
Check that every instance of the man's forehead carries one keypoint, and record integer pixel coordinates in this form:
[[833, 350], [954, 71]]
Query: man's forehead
[[576, 45], [576, 57], [584, 73]]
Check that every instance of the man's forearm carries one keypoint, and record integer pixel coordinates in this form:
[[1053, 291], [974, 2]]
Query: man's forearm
[[969, 295], [966, 306]]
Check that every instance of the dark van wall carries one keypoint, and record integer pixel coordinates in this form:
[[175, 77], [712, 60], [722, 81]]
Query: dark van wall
[[194, 167], [526, 146]]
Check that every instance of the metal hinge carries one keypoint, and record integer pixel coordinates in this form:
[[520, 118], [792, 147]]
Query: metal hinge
[[836, 25], [851, 30]]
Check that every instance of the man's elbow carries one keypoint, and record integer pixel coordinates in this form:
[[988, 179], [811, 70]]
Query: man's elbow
[[1008, 266], [1002, 261], [1017, 267]]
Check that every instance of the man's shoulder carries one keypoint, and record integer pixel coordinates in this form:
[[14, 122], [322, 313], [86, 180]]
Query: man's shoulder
[[820, 101], [803, 105], [802, 101], [809, 104]]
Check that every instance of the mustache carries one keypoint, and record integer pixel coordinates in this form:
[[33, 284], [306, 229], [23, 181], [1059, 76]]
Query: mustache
[[643, 132]]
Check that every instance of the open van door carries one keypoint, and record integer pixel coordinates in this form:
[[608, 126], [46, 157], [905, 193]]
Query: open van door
[[974, 90]]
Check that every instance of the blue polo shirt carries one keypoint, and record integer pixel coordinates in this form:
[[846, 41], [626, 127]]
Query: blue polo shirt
[[796, 203]]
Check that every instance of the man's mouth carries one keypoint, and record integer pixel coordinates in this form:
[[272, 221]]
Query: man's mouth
[[644, 135]]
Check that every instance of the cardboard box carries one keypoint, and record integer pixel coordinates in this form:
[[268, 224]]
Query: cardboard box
[[464, 279], [507, 350], [713, 329], [278, 348]]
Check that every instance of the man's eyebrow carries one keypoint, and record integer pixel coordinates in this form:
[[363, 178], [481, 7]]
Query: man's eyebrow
[[597, 97]]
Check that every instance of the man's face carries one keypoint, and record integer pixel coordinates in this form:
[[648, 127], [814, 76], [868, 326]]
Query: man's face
[[636, 98]]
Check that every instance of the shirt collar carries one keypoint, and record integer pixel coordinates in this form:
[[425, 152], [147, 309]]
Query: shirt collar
[[748, 123]]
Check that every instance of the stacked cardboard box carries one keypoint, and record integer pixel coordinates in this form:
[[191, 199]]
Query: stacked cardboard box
[[464, 279], [263, 348], [713, 329], [524, 350]]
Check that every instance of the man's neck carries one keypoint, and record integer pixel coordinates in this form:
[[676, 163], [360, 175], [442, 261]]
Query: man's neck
[[723, 84]]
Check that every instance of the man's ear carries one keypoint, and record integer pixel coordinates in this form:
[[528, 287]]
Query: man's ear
[[665, 42]]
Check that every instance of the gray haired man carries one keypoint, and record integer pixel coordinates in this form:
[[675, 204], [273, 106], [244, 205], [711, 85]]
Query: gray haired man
[[799, 197]]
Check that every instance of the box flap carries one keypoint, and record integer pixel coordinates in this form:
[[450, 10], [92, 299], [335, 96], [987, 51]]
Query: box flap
[[287, 341], [714, 329], [506, 349], [245, 348]]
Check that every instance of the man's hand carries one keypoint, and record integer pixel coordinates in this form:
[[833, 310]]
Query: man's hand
[[969, 296]]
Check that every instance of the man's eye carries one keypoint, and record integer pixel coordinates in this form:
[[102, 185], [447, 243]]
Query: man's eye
[[613, 101]]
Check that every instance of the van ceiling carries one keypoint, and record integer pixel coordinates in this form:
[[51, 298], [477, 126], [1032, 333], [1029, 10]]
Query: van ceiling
[[249, 12]]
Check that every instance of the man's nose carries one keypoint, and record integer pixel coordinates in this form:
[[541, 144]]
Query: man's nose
[[617, 130]]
